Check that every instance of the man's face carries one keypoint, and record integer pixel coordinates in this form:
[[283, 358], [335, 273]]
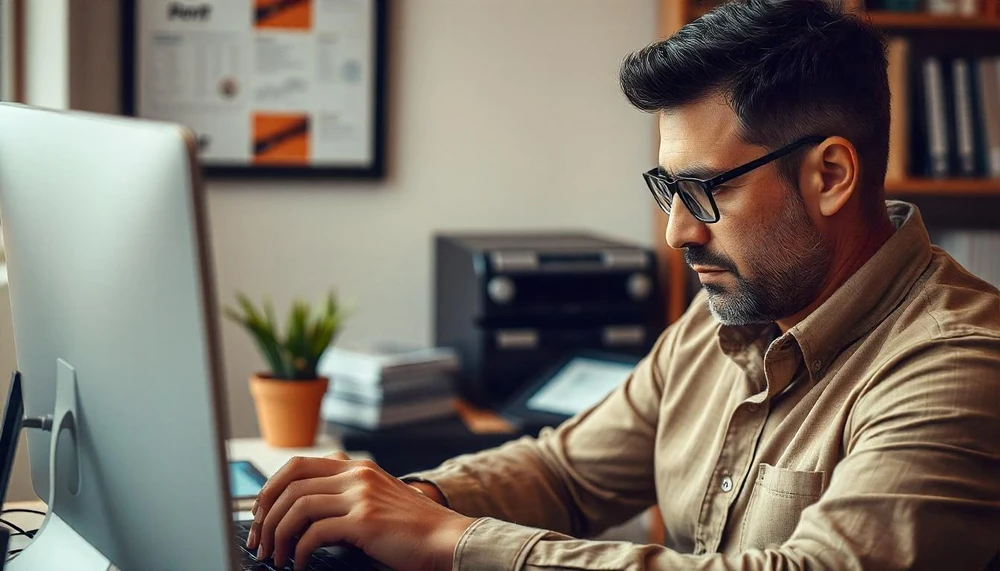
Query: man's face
[[763, 260]]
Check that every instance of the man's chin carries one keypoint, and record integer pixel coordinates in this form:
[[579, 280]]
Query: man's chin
[[728, 310]]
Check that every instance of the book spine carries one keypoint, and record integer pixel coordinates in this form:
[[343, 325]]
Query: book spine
[[937, 132], [965, 138], [899, 124]]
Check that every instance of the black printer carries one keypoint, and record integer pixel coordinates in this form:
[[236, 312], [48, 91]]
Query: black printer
[[515, 304]]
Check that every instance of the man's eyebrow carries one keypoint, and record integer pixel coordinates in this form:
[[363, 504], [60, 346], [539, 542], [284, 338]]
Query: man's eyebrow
[[694, 171]]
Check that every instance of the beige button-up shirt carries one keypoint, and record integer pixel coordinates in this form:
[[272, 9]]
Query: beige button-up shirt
[[865, 437]]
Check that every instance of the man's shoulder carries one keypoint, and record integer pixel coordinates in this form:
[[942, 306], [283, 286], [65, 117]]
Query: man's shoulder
[[949, 302]]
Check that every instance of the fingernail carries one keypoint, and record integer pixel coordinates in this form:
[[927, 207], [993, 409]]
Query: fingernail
[[251, 537], [260, 552], [253, 510]]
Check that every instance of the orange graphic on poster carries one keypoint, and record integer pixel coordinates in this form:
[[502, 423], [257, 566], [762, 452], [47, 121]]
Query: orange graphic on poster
[[281, 138], [283, 14]]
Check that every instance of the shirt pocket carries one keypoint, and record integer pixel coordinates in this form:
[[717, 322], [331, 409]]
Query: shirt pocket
[[776, 503]]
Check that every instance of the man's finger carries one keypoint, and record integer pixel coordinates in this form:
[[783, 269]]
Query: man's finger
[[338, 455], [320, 533], [294, 491], [298, 468], [305, 510]]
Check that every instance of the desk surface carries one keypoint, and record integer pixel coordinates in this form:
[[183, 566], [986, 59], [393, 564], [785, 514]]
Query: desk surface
[[269, 459]]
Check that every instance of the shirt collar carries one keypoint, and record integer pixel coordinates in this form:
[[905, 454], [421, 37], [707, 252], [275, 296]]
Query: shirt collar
[[868, 296], [858, 305]]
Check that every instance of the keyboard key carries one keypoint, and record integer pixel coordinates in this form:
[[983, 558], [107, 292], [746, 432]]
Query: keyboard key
[[326, 559]]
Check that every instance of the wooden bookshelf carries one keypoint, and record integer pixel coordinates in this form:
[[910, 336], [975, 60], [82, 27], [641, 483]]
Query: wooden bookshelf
[[955, 186], [920, 21]]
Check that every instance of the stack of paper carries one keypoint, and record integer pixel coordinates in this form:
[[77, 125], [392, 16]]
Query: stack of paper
[[388, 386]]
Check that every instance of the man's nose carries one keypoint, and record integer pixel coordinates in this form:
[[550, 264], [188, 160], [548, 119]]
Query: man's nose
[[683, 229]]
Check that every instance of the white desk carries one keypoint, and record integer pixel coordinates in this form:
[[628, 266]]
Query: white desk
[[268, 460]]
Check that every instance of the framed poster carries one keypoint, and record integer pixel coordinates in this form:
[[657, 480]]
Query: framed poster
[[270, 87]]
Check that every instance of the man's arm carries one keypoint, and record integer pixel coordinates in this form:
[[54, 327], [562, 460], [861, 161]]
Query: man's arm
[[917, 489], [594, 471]]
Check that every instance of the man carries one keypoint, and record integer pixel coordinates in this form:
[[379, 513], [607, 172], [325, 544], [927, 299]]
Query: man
[[831, 400]]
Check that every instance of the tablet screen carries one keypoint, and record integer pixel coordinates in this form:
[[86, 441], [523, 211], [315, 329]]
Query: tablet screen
[[245, 480], [580, 384]]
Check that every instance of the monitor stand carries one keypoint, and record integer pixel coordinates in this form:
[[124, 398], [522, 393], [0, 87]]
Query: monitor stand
[[56, 546]]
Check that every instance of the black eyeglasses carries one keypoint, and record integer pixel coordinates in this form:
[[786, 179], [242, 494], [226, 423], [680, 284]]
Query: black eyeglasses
[[697, 193]]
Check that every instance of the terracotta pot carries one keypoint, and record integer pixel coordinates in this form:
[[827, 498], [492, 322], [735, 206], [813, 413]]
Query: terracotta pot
[[287, 411]]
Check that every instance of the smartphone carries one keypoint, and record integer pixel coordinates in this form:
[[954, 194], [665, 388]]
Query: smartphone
[[245, 480]]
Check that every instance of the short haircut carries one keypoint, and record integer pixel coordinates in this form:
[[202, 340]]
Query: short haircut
[[788, 69]]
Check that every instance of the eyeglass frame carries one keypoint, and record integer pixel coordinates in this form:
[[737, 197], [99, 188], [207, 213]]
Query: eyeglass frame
[[653, 176]]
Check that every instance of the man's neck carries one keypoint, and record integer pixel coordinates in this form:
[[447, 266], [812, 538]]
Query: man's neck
[[848, 259]]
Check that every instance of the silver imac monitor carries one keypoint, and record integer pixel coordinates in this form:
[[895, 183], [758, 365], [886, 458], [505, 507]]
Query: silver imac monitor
[[115, 328]]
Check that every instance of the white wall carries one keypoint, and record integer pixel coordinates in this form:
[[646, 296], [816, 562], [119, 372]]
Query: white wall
[[47, 84], [503, 114], [46, 38]]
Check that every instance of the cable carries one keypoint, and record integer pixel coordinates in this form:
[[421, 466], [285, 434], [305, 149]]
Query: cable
[[30, 534], [41, 422], [14, 527], [13, 553]]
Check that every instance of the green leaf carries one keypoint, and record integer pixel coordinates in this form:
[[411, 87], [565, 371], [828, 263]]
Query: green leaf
[[307, 333]]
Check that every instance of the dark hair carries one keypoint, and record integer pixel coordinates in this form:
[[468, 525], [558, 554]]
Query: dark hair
[[788, 68]]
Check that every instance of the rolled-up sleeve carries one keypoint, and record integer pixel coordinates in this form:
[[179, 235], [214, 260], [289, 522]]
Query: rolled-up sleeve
[[592, 472]]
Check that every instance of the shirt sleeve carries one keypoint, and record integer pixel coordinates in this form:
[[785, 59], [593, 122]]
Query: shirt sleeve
[[592, 472], [918, 487]]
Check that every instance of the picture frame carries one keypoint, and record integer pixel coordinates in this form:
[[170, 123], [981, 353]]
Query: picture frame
[[271, 88]]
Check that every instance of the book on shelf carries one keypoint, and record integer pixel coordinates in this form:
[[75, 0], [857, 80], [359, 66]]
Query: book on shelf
[[963, 8], [988, 89], [898, 53], [935, 115], [944, 117], [965, 139], [894, 5]]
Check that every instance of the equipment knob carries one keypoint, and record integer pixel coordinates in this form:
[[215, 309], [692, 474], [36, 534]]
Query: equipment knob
[[501, 289], [639, 286]]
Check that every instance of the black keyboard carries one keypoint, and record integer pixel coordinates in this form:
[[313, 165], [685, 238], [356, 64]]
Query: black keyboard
[[325, 559]]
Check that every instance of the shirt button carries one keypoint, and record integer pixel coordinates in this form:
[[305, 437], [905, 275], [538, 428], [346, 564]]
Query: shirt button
[[727, 484]]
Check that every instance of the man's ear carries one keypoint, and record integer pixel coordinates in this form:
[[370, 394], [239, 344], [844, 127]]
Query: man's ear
[[830, 172]]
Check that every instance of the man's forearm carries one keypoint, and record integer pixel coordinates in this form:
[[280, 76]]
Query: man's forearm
[[509, 483]]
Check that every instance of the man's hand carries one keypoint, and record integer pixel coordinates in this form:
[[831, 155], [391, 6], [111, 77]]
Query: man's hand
[[312, 502], [428, 490]]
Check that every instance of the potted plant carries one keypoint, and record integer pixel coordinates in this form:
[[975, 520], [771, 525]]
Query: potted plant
[[287, 398]]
